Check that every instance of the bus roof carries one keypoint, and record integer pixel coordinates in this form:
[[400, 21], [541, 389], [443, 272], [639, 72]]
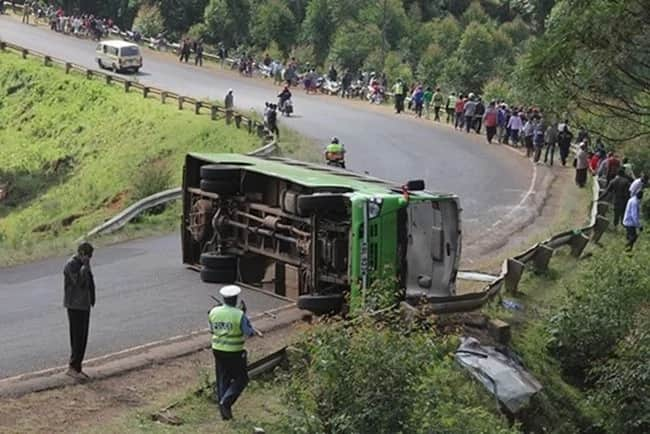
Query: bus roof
[[313, 175]]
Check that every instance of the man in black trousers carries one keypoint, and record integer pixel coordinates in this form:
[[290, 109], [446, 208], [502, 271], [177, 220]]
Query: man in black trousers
[[78, 298]]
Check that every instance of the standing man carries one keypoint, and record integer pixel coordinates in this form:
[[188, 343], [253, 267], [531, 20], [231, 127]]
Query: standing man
[[632, 220], [470, 108], [564, 141], [399, 91], [550, 140], [582, 165], [428, 97], [490, 119], [459, 109], [229, 326], [450, 107], [198, 53], [437, 104], [78, 298], [638, 184], [619, 188], [229, 100]]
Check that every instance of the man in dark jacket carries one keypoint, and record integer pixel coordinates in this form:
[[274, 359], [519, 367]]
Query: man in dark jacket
[[619, 189], [78, 298]]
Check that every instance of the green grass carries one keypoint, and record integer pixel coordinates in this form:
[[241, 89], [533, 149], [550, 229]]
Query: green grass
[[76, 151]]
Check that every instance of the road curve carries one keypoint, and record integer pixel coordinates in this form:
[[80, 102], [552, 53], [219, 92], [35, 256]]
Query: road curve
[[145, 294]]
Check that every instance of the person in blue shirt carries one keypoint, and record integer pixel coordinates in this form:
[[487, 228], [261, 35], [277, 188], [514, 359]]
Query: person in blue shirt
[[229, 326], [632, 219]]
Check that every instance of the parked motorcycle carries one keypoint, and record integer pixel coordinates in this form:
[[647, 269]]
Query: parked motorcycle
[[375, 94], [330, 87]]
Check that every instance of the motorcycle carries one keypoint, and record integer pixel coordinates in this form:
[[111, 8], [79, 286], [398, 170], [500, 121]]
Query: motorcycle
[[375, 94], [330, 87], [286, 108], [335, 160]]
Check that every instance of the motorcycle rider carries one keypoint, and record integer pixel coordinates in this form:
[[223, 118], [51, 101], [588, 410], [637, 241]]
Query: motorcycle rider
[[335, 153], [284, 96]]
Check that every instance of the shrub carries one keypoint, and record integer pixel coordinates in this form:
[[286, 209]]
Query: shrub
[[149, 21], [153, 177], [365, 377]]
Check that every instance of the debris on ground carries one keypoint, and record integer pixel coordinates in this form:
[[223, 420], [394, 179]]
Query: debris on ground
[[501, 374]]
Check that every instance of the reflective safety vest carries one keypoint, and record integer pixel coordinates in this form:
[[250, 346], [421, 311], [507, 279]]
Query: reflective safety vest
[[451, 101], [398, 89], [225, 325], [334, 148]]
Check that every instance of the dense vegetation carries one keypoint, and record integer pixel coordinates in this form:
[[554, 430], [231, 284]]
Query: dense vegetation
[[76, 151]]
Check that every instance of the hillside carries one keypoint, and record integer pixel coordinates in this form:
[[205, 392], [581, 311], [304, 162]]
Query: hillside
[[75, 151]]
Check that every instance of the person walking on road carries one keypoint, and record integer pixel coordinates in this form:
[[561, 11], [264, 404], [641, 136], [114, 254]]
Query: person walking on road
[[564, 141], [632, 220], [459, 109], [229, 327], [399, 90], [619, 189], [198, 53], [490, 119], [470, 108], [515, 125], [78, 299], [550, 141], [450, 107], [582, 165], [538, 140], [229, 100], [428, 97], [437, 104]]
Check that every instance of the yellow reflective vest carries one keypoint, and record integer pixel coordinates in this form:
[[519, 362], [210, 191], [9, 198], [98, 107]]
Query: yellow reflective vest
[[225, 325]]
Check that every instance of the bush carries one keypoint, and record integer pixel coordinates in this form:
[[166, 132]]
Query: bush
[[149, 20], [623, 383], [153, 177], [598, 315], [365, 377]]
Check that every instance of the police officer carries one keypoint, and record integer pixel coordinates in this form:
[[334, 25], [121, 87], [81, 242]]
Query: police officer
[[335, 151], [229, 326]]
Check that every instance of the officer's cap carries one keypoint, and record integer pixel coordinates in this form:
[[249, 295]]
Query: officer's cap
[[230, 291]]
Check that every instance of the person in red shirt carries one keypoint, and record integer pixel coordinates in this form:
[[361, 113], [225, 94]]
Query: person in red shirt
[[613, 165], [490, 121], [594, 162], [459, 108]]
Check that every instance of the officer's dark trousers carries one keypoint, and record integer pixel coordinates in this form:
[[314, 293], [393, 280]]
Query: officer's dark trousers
[[79, 321], [619, 212], [232, 376]]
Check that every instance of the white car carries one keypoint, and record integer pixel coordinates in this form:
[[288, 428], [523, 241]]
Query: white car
[[119, 56]]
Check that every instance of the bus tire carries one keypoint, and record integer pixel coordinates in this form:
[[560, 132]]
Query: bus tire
[[209, 275], [217, 172], [221, 187], [321, 304], [216, 261], [308, 204]]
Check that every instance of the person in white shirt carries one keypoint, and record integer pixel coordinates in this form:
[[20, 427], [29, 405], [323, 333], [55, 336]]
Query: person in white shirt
[[632, 219], [638, 185]]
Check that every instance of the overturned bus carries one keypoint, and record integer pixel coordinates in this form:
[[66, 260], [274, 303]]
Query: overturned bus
[[316, 234]]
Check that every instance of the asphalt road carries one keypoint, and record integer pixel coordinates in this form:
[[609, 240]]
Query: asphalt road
[[144, 293]]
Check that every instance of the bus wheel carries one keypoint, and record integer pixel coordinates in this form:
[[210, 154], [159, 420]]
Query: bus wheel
[[321, 304], [320, 202], [222, 187], [216, 172], [218, 268]]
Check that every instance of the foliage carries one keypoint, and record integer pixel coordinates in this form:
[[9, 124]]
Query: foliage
[[274, 22], [352, 45], [394, 382], [149, 20], [227, 21], [598, 314], [72, 150], [318, 28], [623, 382]]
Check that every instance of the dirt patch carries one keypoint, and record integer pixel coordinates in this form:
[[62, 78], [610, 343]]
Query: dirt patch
[[88, 406], [117, 202]]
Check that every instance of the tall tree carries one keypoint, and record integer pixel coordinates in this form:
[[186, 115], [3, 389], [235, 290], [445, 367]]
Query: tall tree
[[318, 28], [227, 21], [274, 22]]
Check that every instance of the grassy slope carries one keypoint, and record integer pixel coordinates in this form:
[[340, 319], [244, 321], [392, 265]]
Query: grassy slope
[[72, 150]]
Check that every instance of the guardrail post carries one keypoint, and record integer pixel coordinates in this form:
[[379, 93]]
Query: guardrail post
[[213, 112], [89, 73], [47, 60], [602, 208], [145, 92], [542, 257], [514, 270], [3, 45], [109, 78], [127, 85], [180, 102], [24, 53], [197, 107], [238, 120], [250, 126], [600, 225], [228, 116], [260, 130], [68, 66], [578, 243], [163, 96]]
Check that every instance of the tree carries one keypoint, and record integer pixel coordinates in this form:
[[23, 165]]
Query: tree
[[227, 21], [179, 15], [475, 14], [149, 20], [352, 45], [274, 22], [318, 28], [430, 68], [517, 30]]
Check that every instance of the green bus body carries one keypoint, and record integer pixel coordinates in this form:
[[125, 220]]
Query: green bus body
[[416, 234]]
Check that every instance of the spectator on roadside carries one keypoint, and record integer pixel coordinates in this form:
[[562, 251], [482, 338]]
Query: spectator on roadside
[[479, 111], [470, 109], [198, 53], [450, 107], [632, 219], [418, 100], [627, 168], [428, 97], [583, 136], [459, 109], [619, 189], [550, 141], [491, 120], [26, 12], [564, 138], [582, 164], [595, 160], [515, 125], [272, 120], [501, 123], [399, 92], [528, 132], [229, 100], [437, 104], [538, 139], [613, 165]]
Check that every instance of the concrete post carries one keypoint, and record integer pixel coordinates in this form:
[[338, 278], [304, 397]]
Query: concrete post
[[145, 91], [89, 73], [109, 78], [499, 331], [578, 244], [197, 107], [3, 45], [542, 257], [163, 96], [127, 85], [180, 102], [213, 112], [68, 66], [47, 60], [600, 226], [514, 270], [25, 53]]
